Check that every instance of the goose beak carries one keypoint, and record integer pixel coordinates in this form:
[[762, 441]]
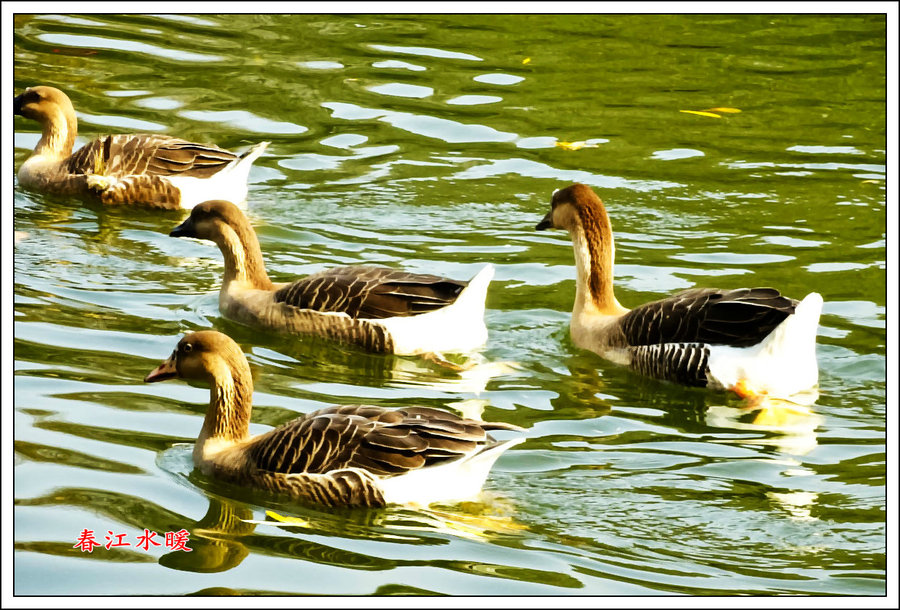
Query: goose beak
[[185, 229], [546, 223], [164, 371], [17, 105]]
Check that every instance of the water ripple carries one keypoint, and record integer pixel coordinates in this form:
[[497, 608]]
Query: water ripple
[[97, 42]]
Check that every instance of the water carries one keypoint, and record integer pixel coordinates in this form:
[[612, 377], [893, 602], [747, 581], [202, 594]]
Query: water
[[432, 143]]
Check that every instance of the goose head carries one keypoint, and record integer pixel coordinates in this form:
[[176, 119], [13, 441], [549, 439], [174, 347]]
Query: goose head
[[569, 205], [215, 359], [53, 110], [42, 103], [206, 355], [224, 223], [210, 220]]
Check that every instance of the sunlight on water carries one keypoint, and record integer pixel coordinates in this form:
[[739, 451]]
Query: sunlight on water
[[730, 150]]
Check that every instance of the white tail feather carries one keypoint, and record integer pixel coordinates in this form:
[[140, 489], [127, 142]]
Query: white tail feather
[[230, 183], [461, 479], [459, 327], [783, 364]]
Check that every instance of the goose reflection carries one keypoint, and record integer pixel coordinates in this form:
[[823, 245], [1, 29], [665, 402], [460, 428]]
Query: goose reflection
[[786, 426], [490, 516], [314, 360], [228, 533], [216, 539]]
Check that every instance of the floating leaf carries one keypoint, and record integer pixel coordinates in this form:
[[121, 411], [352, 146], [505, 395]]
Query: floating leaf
[[725, 110], [575, 145], [288, 520], [527, 60], [569, 145], [701, 113], [871, 182]]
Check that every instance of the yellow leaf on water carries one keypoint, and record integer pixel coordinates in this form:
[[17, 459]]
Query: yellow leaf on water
[[726, 110], [289, 520], [701, 113], [575, 145], [527, 60], [871, 182]]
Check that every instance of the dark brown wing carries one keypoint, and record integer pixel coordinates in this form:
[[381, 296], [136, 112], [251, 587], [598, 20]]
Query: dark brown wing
[[371, 292], [378, 440], [157, 155], [739, 318]]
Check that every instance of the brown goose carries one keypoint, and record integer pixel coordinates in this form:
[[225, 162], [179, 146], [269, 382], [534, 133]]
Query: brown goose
[[352, 455], [751, 340], [142, 169], [380, 309]]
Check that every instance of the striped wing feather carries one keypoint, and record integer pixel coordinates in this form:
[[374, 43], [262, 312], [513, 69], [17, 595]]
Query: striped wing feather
[[371, 292], [157, 155], [382, 441], [739, 318]]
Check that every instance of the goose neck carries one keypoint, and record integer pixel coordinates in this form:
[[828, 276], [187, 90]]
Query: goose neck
[[228, 415], [592, 242], [243, 258], [59, 130]]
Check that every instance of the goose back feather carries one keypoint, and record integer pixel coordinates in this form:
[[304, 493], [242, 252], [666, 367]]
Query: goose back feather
[[363, 291], [739, 318], [384, 442]]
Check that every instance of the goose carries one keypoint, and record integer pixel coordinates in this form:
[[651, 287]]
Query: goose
[[348, 455], [143, 169], [753, 341], [377, 308]]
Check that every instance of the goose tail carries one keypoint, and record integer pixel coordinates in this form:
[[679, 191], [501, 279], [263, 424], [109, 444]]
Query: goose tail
[[253, 153], [458, 480], [239, 169], [795, 338], [470, 303], [456, 328], [465, 316], [783, 365], [230, 183]]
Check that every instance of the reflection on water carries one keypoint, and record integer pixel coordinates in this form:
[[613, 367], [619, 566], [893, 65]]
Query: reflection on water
[[786, 426], [439, 157], [215, 539]]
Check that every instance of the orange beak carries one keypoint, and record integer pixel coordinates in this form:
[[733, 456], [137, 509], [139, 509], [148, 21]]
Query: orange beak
[[164, 371]]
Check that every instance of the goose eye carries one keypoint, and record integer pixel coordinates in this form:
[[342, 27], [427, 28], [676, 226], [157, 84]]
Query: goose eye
[[187, 348]]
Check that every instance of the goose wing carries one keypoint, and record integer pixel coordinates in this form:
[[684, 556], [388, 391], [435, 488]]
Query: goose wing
[[381, 441], [739, 318], [371, 292], [156, 155]]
